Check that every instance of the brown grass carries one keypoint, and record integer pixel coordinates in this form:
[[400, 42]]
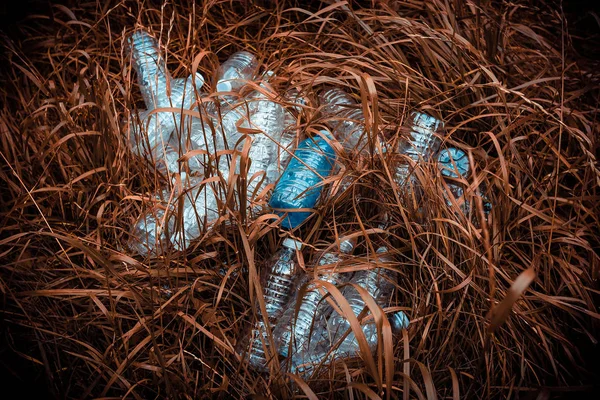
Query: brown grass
[[499, 308]]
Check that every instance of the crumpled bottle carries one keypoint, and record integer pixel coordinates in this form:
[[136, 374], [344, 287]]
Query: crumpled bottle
[[423, 143], [286, 142], [234, 73], [295, 330], [257, 119], [298, 188], [346, 118], [280, 279], [379, 283], [157, 228], [151, 132]]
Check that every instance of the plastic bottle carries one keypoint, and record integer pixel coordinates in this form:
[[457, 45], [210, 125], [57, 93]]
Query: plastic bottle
[[155, 229], [454, 164], [297, 188], [260, 115], [346, 118], [151, 68], [277, 290], [424, 141], [156, 128], [285, 143], [378, 283], [296, 330], [236, 71]]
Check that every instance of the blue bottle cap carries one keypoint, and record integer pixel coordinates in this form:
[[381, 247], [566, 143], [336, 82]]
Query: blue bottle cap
[[453, 162]]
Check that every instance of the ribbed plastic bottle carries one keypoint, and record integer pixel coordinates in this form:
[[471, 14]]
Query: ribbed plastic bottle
[[157, 127], [151, 131], [378, 283], [279, 283], [346, 118], [295, 331], [156, 229], [234, 73], [151, 68], [454, 164], [259, 114], [298, 188], [423, 143]]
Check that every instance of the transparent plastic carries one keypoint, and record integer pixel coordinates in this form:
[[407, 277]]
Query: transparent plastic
[[155, 128], [346, 118], [237, 71], [260, 117], [280, 279], [151, 68], [426, 133], [298, 187], [157, 228], [378, 282], [295, 331], [454, 164]]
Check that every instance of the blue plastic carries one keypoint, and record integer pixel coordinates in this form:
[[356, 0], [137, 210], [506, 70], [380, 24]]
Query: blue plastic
[[297, 188]]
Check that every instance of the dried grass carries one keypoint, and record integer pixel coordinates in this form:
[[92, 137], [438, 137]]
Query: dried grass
[[499, 308]]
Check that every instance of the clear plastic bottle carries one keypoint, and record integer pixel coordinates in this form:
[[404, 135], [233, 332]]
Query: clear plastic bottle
[[234, 73], [296, 330], [378, 283], [200, 204], [426, 133], [297, 188], [151, 68], [454, 164], [156, 228], [286, 141], [346, 118], [280, 280], [156, 128]]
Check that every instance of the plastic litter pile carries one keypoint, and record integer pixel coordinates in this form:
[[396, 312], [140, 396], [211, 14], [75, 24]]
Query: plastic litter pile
[[179, 133]]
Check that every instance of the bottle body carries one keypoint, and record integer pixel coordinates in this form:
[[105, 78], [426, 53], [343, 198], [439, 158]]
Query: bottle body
[[233, 74], [347, 120], [423, 142], [296, 330], [279, 282], [157, 228], [296, 189], [156, 129], [378, 282]]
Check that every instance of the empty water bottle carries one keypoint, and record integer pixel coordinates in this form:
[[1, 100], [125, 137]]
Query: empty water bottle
[[298, 188], [281, 274], [379, 283], [424, 141], [295, 331], [285, 143], [158, 227], [237, 71], [346, 118], [152, 131], [454, 164], [156, 127], [151, 68]]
